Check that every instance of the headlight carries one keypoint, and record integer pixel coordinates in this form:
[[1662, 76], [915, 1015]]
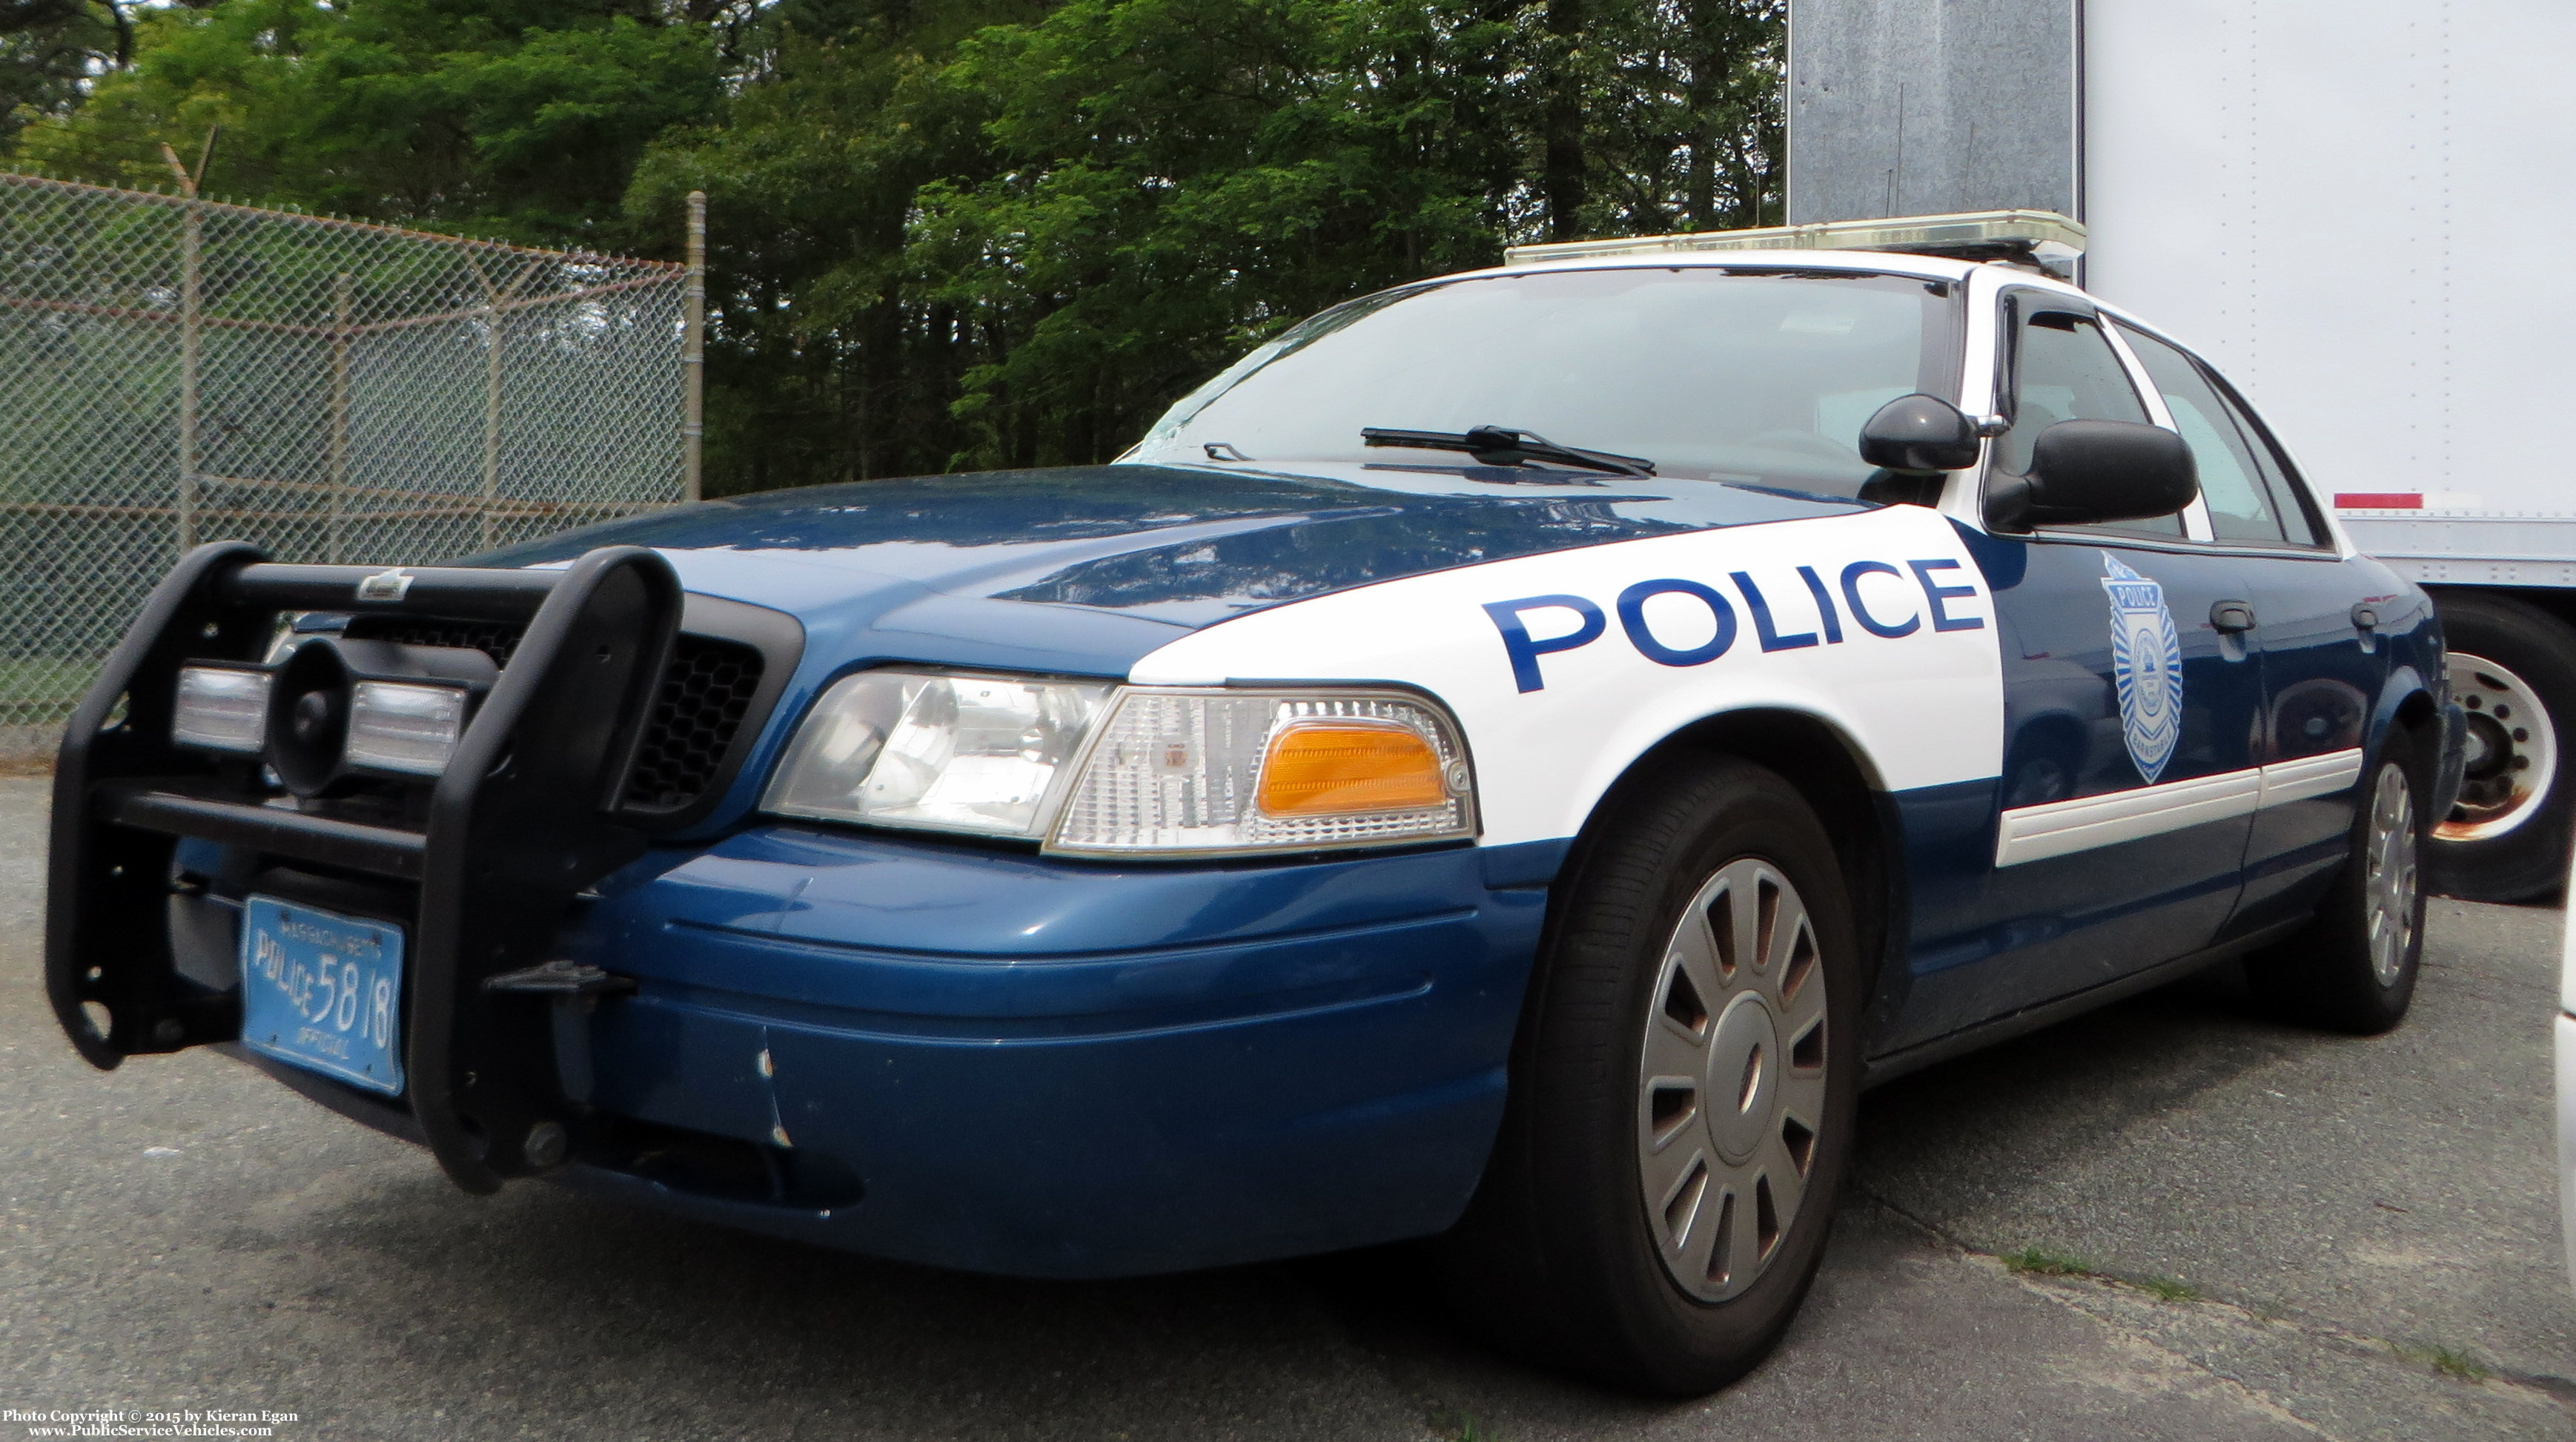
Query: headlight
[[398, 727], [984, 754], [1164, 771], [221, 709], [1199, 771], [327, 710]]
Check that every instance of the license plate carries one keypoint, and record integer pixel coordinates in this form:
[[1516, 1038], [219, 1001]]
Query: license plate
[[323, 991]]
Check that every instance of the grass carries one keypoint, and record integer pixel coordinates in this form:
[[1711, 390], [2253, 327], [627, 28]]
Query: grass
[[2040, 1261], [2168, 1289], [2456, 1363], [41, 690], [2048, 1262], [1459, 1427]]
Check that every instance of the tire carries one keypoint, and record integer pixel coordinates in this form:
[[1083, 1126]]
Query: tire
[[2353, 969], [2507, 840], [1649, 1048]]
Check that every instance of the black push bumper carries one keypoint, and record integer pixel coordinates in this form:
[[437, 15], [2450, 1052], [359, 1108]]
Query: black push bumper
[[482, 864]]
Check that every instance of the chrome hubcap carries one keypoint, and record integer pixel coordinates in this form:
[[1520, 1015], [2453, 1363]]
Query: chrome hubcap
[[1731, 1080], [2388, 882], [2513, 751]]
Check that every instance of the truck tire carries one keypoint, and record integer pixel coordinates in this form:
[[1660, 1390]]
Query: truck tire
[[1683, 1094], [2513, 670]]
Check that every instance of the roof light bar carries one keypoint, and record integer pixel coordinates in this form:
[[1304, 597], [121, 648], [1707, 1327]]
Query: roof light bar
[[2041, 238]]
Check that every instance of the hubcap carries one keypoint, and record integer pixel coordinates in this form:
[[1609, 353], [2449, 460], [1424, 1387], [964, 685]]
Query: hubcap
[[2388, 881], [2512, 751], [1731, 1080]]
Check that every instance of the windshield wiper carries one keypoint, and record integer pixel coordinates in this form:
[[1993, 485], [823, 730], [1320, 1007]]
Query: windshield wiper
[[1503, 446]]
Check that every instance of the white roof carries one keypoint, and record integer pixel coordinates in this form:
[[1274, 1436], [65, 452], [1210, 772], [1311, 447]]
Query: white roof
[[1874, 262]]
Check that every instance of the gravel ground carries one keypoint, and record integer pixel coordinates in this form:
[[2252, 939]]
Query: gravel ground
[[2271, 1234]]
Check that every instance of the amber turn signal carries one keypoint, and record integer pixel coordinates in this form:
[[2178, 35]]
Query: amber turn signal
[[1334, 768]]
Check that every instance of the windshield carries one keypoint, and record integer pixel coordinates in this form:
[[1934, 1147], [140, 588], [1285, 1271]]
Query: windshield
[[1762, 377]]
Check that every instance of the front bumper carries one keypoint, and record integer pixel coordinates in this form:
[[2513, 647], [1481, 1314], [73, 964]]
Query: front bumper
[[1012, 1064]]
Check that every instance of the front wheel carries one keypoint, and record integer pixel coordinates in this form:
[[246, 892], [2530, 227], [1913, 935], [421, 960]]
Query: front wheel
[[1683, 1094], [2353, 969]]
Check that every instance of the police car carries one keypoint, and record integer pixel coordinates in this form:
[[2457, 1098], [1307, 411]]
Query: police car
[[1509, 761]]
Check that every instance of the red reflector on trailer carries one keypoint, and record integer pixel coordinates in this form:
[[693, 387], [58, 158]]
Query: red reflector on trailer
[[2379, 500]]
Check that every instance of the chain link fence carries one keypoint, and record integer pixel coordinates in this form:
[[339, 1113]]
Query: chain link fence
[[174, 371]]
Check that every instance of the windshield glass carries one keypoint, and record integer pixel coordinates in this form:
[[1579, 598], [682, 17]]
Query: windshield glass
[[1763, 377]]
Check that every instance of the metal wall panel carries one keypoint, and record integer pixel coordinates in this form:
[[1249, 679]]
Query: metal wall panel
[[1903, 107], [2353, 207]]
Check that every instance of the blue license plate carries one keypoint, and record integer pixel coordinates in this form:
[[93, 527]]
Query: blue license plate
[[323, 991]]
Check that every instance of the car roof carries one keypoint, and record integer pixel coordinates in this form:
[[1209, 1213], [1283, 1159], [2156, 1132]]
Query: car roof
[[1856, 262], [1874, 262]]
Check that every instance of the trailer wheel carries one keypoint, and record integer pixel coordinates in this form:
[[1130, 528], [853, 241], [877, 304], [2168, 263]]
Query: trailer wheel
[[2513, 670]]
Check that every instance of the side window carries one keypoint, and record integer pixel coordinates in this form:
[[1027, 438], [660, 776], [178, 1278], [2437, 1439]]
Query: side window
[[2298, 518], [2065, 370], [2231, 479]]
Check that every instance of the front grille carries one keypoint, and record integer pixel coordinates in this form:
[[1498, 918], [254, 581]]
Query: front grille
[[705, 694], [496, 639]]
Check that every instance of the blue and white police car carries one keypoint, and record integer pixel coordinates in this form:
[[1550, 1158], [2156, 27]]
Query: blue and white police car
[[1507, 762]]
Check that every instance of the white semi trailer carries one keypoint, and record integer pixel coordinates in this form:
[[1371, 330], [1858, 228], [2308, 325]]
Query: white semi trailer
[[2357, 209]]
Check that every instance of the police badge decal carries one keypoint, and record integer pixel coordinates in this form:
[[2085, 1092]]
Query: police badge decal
[[2146, 665]]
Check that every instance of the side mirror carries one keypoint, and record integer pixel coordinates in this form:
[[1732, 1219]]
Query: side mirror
[[1919, 435], [2088, 472]]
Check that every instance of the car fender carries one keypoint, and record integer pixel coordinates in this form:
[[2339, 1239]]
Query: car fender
[[1563, 669]]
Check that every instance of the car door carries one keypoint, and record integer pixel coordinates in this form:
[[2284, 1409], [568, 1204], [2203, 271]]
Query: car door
[[2315, 618], [2128, 784]]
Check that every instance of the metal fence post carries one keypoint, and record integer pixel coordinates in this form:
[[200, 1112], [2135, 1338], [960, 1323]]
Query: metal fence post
[[491, 413], [192, 239], [336, 542], [693, 356]]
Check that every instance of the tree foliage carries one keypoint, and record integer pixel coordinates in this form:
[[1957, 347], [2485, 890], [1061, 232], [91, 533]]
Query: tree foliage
[[48, 51], [950, 233], [521, 118]]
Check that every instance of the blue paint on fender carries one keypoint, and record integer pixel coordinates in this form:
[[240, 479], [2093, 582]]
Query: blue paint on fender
[[1524, 651], [1307, 1055], [1632, 619], [1890, 630], [1938, 595], [1772, 640]]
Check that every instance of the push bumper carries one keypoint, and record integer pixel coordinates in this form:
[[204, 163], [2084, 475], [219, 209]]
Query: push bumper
[[479, 865]]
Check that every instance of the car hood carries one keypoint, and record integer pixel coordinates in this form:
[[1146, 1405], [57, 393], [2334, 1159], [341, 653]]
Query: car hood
[[1085, 568]]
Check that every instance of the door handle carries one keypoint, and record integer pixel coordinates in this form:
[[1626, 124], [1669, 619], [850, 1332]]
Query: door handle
[[2231, 616]]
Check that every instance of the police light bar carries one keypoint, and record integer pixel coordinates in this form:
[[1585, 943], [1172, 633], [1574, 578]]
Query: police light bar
[[2041, 238]]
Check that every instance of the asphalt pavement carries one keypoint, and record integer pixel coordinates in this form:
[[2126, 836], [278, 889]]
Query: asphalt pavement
[[2223, 1229]]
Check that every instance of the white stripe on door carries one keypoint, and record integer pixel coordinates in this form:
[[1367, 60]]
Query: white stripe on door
[[2061, 828]]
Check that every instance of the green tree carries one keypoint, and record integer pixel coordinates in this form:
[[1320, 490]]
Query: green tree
[[942, 244], [50, 49], [518, 118], [954, 233]]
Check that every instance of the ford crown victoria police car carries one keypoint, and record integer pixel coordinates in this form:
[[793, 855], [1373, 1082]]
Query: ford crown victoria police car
[[1508, 761]]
